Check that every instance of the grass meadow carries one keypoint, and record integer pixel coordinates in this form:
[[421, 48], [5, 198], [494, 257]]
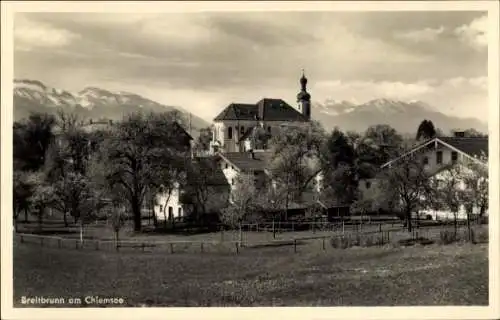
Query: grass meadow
[[455, 274]]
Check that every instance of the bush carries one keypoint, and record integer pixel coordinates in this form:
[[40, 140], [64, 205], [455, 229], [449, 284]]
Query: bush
[[341, 242], [413, 241], [481, 236], [447, 237]]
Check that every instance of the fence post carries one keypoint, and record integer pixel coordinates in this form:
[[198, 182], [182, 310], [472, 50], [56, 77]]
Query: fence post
[[201, 247], [76, 244], [295, 245], [97, 245], [143, 246], [41, 242], [22, 239], [324, 247], [59, 243], [237, 247], [171, 248], [380, 227]]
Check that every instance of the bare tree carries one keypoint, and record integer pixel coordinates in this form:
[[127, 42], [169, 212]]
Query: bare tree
[[475, 192], [448, 190], [407, 182], [241, 203]]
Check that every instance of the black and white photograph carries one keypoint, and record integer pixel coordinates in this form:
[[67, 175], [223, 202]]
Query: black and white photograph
[[235, 155]]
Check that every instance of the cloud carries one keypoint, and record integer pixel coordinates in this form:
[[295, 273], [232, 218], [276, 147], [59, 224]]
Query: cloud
[[424, 35], [210, 59], [475, 33], [30, 34]]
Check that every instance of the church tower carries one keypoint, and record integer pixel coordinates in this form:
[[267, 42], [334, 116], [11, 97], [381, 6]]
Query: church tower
[[304, 98]]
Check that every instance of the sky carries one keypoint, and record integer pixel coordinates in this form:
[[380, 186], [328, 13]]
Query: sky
[[205, 61]]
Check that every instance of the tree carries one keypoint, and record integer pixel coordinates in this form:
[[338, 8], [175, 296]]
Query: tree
[[66, 164], [241, 202], [22, 192], [426, 130], [380, 144], [204, 139], [32, 138], [476, 184], [117, 214], [473, 133], [76, 194], [205, 186], [408, 185], [144, 151], [295, 160], [448, 192], [338, 162], [42, 196]]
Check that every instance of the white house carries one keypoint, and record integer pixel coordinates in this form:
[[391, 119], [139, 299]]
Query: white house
[[440, 153], [207, 191]]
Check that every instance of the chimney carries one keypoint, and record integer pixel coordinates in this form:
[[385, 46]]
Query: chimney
[[459, 134]]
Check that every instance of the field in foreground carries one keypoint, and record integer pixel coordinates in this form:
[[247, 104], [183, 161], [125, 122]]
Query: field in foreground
[[434, 275]]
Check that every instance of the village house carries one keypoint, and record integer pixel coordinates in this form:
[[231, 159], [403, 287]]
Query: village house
[[205, 192], [441, 153]]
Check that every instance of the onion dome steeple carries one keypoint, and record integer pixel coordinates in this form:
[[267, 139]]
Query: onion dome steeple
[[304, 98]]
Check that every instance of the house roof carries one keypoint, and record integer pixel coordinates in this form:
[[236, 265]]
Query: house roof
[[243, 160], [472, 147], [266, 110]]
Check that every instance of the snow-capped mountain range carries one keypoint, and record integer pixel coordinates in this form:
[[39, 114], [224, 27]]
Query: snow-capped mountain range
[[91, 102], [404, 116], [97, 103]]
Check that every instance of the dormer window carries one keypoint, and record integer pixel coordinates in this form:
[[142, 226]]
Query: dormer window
[[454, 156], [426, 161]]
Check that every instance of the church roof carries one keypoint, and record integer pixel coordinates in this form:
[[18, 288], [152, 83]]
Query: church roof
[[266, 110]]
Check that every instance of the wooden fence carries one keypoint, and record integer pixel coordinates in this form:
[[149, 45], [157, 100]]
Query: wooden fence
[[313, 242]]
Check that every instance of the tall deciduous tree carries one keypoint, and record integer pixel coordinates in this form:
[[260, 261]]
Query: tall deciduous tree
[[145, 150]]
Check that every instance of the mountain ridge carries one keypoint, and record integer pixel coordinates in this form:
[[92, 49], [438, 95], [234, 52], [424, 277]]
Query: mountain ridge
[[89, 103], [97, 103], [404, 116]]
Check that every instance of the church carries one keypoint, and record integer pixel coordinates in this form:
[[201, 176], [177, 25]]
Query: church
[[234, 128]]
